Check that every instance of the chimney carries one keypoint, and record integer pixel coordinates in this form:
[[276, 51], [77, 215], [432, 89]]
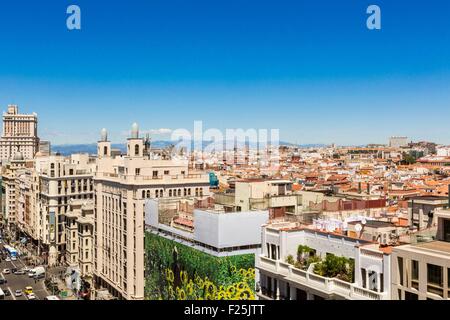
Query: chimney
[[368, 188], [359, 187]]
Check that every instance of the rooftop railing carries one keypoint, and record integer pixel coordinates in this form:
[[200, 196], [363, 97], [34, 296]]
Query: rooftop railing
[[342, 288]]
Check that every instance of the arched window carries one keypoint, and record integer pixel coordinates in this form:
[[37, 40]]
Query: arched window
[[201, 192], [148, 193], [170, 192], [136, 150], [156, 193], [143, 194], [105, 150], [196, 192], [179, 192]]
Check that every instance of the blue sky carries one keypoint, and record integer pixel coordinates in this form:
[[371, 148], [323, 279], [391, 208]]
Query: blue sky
[[309, 68]]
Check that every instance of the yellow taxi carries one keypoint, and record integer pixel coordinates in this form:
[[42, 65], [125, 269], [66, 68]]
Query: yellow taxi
[[28, 290]]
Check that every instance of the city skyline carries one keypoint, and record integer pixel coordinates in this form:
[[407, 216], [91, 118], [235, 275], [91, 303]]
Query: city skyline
[[318, 76], [171, 150]]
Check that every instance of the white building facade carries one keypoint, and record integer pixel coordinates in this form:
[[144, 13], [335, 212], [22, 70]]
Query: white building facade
[[281, 280], [122, 185]]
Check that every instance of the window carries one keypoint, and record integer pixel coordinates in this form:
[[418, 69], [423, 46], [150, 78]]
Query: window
[[170, 192], [136, 150], [415, 274], [400, 270], [435, 279], [301, 294], [155, 174], [363, 275], [411, 296], [434, 274], [105, 151], [138, 171], [166, 172], [446, 230], [448, 278]]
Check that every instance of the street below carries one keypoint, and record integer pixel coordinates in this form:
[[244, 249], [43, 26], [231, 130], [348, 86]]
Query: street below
[[19, 282]]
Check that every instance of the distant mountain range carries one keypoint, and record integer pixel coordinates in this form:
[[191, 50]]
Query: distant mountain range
[[91, 148]]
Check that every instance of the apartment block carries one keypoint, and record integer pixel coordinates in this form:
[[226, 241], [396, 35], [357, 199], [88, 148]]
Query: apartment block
[[421, 271], [80, 237], [10, 172], [122, 185], [281, 278], [274, 195], [61, 179]]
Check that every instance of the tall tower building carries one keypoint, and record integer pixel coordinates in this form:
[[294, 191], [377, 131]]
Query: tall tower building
[[19, 134]]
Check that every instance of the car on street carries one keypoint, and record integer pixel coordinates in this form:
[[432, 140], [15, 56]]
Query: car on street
[[37, 273], [31, 296], [6, 292], [28, 290], [6, 271], [13, 258], [13, 270], [8, 259], [18, 293], [19, 272]]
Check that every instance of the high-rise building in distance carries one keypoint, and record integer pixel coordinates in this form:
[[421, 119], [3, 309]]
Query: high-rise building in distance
[[398, 142], [19, 134]]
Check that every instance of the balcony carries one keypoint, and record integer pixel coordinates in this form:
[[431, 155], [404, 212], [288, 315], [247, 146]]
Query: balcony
[[330, 286]]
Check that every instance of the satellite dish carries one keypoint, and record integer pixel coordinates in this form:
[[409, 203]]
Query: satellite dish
[[358, 227], [363, 221], [330, 228]]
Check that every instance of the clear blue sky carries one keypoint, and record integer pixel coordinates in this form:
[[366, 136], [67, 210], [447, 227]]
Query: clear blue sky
[[310, 68]]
